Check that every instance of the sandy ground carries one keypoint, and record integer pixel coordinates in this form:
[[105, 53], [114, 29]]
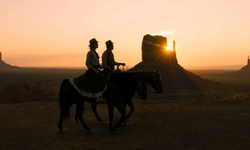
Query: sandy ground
[[185, 120], [156, 124]]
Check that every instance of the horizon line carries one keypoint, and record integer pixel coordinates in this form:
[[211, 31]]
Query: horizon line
[[221, 67]]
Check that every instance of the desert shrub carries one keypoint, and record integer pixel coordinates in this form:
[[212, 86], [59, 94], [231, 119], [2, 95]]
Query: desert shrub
[[15, 92], [44, 90], [21, 91]]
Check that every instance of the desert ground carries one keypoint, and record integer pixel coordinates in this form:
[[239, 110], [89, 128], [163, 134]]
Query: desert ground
[[193, 120]]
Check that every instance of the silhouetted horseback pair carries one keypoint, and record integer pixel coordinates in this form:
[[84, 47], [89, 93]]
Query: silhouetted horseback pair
[[117, 88], [93, 82]]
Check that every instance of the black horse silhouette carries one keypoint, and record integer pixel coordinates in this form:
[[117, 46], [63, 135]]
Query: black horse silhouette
[[122, 80], [114, 95], [123, 83]]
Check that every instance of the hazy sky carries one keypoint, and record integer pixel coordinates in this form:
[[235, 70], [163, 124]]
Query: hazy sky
[[57, 32]]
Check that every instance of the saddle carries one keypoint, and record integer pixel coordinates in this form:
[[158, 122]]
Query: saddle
[[90, 84]]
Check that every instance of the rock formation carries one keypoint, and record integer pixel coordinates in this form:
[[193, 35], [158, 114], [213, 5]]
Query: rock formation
[[246, 69], [154, 51], [4, 65], [174, 76]]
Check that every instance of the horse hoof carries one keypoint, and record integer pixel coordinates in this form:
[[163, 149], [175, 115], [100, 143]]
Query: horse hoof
[[88, 131], [125, 124], [60, 132], [101, 121], [114, 132]]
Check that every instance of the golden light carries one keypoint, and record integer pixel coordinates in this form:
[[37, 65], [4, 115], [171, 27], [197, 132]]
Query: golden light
[[169, 47]]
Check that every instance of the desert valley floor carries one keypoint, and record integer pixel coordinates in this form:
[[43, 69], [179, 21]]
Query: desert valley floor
[[216, 119]]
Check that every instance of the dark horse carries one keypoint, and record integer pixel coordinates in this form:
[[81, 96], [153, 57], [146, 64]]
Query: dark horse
[[115, 98], [121, 80]]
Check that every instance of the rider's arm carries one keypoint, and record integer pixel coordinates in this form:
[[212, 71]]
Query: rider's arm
[[89, 59], [105, 59], [117, 63]]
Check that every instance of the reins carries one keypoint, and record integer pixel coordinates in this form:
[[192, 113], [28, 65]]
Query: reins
[[123, 68]]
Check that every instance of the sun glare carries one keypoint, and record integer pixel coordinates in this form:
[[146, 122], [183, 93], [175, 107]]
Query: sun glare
[[169, 47]]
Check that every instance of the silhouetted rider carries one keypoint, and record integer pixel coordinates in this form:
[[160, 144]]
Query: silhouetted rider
[[108, 59]]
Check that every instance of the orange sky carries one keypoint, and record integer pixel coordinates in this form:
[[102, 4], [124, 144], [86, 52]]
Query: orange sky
[[56, 32]]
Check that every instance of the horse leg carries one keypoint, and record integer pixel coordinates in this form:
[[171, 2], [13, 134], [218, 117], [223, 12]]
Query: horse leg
[[63, 112], [76, 117], [111, 117], [79, 111], [60, 121], [93, 107], [132, 108], [120, 107]]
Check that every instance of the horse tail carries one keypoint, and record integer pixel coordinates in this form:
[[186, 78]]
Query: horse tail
[[61, 100]]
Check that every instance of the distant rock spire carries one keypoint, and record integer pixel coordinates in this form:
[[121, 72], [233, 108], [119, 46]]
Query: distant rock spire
[[248, 60], [174, 45], [4, 65]]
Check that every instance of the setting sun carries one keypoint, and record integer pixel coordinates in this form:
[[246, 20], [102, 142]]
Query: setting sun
[[169, 47]]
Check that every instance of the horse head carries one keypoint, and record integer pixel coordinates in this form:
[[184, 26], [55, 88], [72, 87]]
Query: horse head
[[141, 87], [154, 79], [156, 82]]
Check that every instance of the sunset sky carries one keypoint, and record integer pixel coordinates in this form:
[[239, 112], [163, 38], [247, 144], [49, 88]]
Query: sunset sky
[[55, 33]]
